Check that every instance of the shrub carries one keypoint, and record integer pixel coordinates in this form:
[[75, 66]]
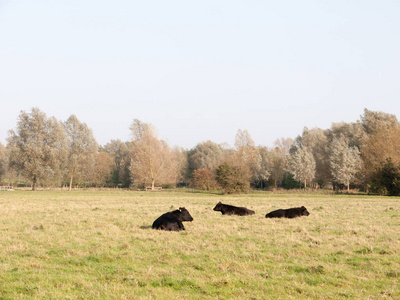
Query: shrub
[[288, 182], [386, 179], [232, 179], [204, 179]]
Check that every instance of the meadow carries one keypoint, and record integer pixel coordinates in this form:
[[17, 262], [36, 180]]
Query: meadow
[[100, 245]]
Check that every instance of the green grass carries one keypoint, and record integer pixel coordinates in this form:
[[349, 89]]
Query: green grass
[[100, 245]]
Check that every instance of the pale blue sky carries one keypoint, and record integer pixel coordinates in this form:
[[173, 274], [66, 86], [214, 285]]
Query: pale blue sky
[[199, 70]]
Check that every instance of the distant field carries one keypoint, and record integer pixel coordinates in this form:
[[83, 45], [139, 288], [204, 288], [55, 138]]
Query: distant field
[[100, 245]]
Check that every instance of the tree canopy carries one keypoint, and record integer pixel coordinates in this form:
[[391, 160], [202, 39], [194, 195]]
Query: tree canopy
[[38, 147], [42, 150], [82, 148], [151, 159]]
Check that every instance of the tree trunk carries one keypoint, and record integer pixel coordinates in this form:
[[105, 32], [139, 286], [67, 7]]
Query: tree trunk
[[152, 185], [70, 182], [305, 183], [348, 187], [34, 184]]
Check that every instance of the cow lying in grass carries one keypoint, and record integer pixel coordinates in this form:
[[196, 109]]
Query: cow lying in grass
[[288, 213], [226, 209], [172, 221]]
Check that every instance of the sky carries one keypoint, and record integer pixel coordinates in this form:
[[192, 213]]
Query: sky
[[199, 70]]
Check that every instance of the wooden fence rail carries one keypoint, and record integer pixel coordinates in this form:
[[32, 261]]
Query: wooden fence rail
[[6, 187], [156, 188]]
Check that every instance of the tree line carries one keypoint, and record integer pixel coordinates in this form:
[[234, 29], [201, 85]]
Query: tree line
[[43, 151]]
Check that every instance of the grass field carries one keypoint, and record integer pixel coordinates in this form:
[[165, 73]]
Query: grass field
[[100, 245]]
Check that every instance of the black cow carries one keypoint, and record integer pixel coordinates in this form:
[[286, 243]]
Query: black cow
[[226, 209], [288, 213], [172, 221]]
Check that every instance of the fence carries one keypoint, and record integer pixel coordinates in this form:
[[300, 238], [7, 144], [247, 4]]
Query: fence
[[156, 188], [6, 187]]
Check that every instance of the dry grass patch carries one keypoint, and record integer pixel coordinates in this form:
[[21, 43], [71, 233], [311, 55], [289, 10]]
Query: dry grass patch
[[91, 245]]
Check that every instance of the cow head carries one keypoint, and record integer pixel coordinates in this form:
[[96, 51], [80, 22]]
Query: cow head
[[184, 215], [218, 206], [304, 211]]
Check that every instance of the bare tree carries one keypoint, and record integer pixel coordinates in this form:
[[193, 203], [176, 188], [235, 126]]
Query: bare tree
[[263, 172], [316, 141], [3, 162], [248, 158], [345, 162], [82, 148], [278, 158], [38, 147], [206, 155], [180, 157], [302, 165], [152, 160], [277, 165], [243, 139], [120, 153], [372, 121], [102, 169]]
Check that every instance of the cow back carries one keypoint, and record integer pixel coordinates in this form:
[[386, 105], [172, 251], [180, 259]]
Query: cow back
[[169, 222], [227, 209]]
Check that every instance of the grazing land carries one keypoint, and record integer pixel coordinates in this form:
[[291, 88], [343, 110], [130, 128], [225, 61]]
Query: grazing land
[[100, 245]]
